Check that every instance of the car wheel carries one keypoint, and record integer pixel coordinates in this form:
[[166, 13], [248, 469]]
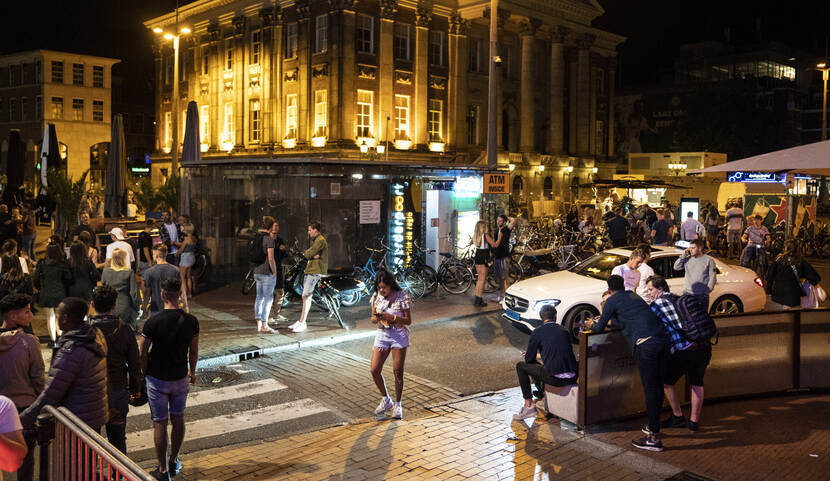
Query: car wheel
[[575, 318], [726, 305]]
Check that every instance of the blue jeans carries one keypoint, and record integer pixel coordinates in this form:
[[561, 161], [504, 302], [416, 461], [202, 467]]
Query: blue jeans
[[265, 285], [29, 245]]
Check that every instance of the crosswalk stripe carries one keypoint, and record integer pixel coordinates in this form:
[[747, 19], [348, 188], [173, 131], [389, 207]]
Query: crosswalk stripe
[[205, 428], [227, 393]]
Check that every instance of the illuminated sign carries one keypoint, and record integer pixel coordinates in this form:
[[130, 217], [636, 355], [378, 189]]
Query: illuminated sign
[[397, 225], [140, 170], [766, 177], [496, 183], [467, 187]]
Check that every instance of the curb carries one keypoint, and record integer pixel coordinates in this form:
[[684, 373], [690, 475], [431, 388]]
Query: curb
[[234, 357]]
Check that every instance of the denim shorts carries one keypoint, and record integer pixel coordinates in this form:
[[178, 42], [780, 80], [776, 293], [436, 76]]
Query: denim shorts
[[187, 259], [309, 283], [392, 338], [162, 395]]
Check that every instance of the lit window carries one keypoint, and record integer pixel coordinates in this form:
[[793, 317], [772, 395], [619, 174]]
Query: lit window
[[98, 76], [227, 127], [168, 130], [472, 125], [475, 55], [229, 55], [77, 74], [291, 116], [57, 108], [291, 40], [365, 34], [401, 117], [434, 120], [320, 113], [182, 126], [256, 46], [402, 41], [204, 127], [77, 109], [365, 100], [321, 34], [436, 48], [256, 123], [97, 110], [57, 72]]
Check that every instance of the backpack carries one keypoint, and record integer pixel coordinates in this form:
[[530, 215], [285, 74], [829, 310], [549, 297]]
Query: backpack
[[698, 325], [256, 253]]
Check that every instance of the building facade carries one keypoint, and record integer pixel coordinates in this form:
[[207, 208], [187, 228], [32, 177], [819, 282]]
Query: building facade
[[69, 90]]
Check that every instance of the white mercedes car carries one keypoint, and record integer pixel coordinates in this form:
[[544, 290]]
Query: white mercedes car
[[576, 293]]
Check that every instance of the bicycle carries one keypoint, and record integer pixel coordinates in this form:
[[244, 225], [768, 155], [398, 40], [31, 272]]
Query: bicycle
[[248, 281], [406, 277]]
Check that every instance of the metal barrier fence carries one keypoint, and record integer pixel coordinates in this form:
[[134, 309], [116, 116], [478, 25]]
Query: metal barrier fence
[[757, 353], [72, 451]]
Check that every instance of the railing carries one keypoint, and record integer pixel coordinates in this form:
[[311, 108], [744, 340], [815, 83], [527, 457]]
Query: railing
[[71, 451], [757, 353]]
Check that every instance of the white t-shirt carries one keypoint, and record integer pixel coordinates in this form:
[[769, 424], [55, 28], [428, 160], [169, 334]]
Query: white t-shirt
[[736, 222], [690, 228], [120, 245], [645, 272], [23, 265], [631, 277], [9, 420], [173, 232]]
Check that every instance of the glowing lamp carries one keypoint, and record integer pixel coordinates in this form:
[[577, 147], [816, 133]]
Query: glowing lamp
[[289, 143], [168, 36], [570, 168], [541, 168], [436, 146], [318, 141], [204, 147], [512, 167], [381, 148], [403, 144]]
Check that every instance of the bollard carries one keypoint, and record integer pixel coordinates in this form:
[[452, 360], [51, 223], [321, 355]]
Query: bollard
[[45, 435]]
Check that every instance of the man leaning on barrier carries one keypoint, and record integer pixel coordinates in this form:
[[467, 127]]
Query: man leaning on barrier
[[559, 366], [649, 343]]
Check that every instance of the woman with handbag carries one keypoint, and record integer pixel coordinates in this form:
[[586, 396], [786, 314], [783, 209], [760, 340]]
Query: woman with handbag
[[785, 277], [121, 277]]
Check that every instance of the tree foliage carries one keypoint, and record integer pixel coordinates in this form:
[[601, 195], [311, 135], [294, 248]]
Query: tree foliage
[[66, 194]]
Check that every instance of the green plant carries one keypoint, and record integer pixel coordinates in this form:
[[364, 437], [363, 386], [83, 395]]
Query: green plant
[[66, 194], [168, 194], [145, 194]]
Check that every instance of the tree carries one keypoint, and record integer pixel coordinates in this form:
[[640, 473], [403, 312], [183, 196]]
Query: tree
[[67, 195], [145, 194], [168, 194]]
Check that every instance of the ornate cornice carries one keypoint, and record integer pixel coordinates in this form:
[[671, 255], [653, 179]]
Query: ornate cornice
[[585, 41], [458, 25], [303, 9], [423, 16], [337, 6], [388, 8], [239, 25], [267, 16], [558, 34], [528, 28], [213, 32]]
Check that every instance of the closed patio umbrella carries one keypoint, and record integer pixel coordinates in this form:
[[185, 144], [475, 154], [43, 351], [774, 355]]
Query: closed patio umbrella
[[191, 154], [115, 193], [50, 156]]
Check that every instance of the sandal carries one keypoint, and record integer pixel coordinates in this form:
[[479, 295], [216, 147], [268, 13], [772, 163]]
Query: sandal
[[266, 329]]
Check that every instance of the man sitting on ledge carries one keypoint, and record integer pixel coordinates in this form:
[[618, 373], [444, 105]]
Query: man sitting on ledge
[[560, 366]]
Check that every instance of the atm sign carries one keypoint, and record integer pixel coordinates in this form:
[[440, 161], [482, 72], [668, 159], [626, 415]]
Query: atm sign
[[496, 183]]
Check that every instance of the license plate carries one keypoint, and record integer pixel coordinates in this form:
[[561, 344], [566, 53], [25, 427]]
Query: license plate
[[512, 314]]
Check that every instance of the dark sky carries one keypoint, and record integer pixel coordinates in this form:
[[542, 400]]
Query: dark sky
[[655, 29]]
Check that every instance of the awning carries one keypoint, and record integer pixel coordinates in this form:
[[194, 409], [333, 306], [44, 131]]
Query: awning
[[805, 159]]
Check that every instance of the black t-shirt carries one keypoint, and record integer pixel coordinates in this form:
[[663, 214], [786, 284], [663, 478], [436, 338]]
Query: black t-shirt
[[617, 228], [171, 332], [503, 249], [80, 228], [144, 240], [661, 231]]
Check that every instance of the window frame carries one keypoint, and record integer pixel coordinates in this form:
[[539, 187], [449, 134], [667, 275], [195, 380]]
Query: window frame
[[359, 38], [321, 115], [38, 107], [228, 55], [76, 73], [168, 129], [96, 69], [321, 33], [473, 117], [291, 116], [291, 45], [227, 122], [57, 75], [204, 124], [77, 106], [96, 111], [255, 121], [399, 41], [57, 102], [433, 35], [402, 117], [474, 60], [431, 120], [365, 130]]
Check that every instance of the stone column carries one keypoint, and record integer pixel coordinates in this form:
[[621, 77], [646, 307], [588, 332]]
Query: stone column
[[556, 137], [457, 84], [276, 74], [266, 16], [240, 109], [215, 85], [305, 113], [335, 49], [572, 96], [347, 69], [527, 103], [612, 70], [583, 93], [419, 112], [386, 69]]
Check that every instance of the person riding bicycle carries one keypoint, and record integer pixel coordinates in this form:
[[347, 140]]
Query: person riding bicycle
[[757, 239]]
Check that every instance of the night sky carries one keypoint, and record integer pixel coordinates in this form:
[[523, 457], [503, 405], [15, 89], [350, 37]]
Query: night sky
[[655, 29]]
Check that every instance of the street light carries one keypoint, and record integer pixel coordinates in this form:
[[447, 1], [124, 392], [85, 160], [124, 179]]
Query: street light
[[824, 69], [676, 168], [174, 155]]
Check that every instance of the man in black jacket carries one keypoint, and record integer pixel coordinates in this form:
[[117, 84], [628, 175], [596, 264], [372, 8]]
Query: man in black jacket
[[559, 366], [122, 356], [617, 228]]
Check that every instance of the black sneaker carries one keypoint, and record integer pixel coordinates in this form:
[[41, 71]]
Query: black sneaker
[[174, 466], [673, 422], [693, 426], [647, 444], [159, 475]]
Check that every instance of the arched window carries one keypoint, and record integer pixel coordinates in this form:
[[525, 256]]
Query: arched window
[[547, 188], [518, 185]]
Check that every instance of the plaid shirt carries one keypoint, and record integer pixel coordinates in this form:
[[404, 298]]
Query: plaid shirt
[[664, 308], [164, 234]]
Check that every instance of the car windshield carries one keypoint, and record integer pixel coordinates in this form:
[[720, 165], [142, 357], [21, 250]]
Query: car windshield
[[600, 265]]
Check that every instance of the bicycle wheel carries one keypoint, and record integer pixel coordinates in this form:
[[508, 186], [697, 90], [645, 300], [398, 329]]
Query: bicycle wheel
[[200, 267], [455, 278], [411, 282], [248, 282], [351, 298], [430, 277]]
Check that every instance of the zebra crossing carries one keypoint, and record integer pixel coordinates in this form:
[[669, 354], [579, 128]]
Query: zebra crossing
[[251, 409]]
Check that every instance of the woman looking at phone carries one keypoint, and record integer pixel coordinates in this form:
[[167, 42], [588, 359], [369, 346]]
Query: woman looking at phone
[[390, 311]]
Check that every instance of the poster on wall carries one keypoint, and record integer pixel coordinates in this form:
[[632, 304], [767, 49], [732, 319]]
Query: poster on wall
[[771, 208], [370, 212]]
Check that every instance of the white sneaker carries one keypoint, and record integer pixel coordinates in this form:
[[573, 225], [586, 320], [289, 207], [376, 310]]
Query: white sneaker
[[385, 405], [300, 327], [526, 413], [397, 411], [292, 326], [279, 318]]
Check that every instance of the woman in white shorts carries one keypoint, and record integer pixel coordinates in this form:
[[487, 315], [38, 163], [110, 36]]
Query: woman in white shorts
[[390, 311]]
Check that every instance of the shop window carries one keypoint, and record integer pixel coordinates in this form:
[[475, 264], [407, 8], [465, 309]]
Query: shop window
[[547, 188]]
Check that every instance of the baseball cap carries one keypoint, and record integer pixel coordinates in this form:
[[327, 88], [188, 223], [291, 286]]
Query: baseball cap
[[118, 233]]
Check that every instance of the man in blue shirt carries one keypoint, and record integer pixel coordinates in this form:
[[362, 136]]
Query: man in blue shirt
[[649, 343], [559, 366]]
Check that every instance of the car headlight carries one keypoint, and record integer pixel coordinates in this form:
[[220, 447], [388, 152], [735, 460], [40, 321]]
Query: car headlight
[[538, 304]]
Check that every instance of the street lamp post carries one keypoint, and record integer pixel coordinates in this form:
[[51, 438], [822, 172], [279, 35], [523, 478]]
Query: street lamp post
[[824, 69], [492, 132]]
